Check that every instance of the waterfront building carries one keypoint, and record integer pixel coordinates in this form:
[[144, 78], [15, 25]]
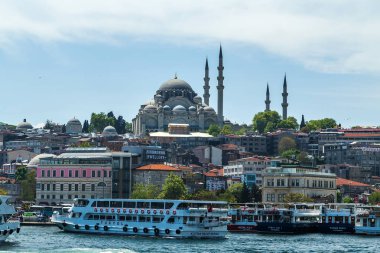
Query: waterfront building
[[256, 144], [208, 155], [215, 180], [351, 188], [154, 174], [280, 181]]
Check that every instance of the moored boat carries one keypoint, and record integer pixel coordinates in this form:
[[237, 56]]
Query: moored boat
[[367, 220], [337, 219], [9, 224], [165, 218]]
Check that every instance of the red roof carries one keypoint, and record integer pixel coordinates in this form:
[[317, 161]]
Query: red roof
[[228, 147], [158, 167], [360, 135], [214, 173], [346, 182]]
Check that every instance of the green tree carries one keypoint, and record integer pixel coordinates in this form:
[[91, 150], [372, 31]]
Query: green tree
[[303, 157], [227, 196], [21, 173], [214, 130], [296, 197], [289, 123], [286, 143], [128, 127], [120, 125], [204, 195], [347, 200], [290, 154], [226, 129], [48, 125], [235, 191], [173, 188], [241, 131], [261, 120], [244, 194], [63, 128], [256, 193], [313, 125], [374, 198], [100, 120], [28, 187], [85, 128], [141, 191]]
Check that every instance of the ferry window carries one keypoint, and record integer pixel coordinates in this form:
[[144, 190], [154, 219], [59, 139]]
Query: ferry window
[[148, 219], [364, 222], [90, 217], [134, 218], [122, 218], [116, 204], [184, 220], [157, 205], [142, 218], [96, 217], [168, 205], [372, 222], [110, 217], [102, 217], [191, 218], [143, 204], [103, 204], [129, 204], [157, 219], [93, 204], [183, 206], [128, 218], [171, 220]]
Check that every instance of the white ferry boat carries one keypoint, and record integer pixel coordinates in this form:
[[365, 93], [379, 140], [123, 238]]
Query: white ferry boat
[[165, 218], [8, 223], [367, 220]]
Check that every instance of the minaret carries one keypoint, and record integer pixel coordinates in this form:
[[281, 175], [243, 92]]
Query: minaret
[[220, 88], [303, 124], [206, 87], [267, 100], [285, 100]]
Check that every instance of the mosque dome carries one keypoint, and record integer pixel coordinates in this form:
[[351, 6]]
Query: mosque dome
[[192, 108], [74, 126], [150, 108], [197, 100], [179, 109], [167, 108], [109, 131], [209, 109], [175, 84], [24, 125]]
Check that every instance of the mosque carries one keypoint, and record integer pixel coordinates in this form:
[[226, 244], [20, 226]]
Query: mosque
[[175, 102]]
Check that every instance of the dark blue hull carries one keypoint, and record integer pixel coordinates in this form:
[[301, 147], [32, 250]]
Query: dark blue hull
[[274, 228], [336, 228]]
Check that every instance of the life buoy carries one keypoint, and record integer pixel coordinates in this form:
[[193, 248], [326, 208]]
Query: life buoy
[[135, 230], [106, 210], [95, 209], [167, 231], [178, 231], [105, 228], [156, 231], [154, 211], [142, 211], [5, 232], [130, 210], [167, 211], [136, 211], [11, 231], [112, 210], [87, 227], [96, 227], [124, 210], [148, 212], [76, 226], [118, 210], [174, 212], [125, 228], [18, 230], [161, 211], [101, 210], [145, 230]]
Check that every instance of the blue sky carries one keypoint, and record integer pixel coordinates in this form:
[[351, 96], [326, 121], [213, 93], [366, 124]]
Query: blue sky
[[60, 60]]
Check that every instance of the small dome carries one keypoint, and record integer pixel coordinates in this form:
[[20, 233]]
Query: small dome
[[150, 108], [192, 108], [197, 100], [175, 84], [209, 109], [36, 160], [24, 125], [109, 131], [167, 108], [179, 109], [74, 121], [74, 126]]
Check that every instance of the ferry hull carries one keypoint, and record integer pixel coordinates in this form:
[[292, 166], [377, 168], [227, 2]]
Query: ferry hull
[[274, 228], [367, 230], [8, 229], [338, 228], [156, 231]]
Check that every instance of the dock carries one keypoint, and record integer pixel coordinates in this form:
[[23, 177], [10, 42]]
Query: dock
[[36, 223]]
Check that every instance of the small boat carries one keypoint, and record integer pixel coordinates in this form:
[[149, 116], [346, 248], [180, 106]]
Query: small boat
[[9, 224], [337, 219], [142, 217], [367, 220]]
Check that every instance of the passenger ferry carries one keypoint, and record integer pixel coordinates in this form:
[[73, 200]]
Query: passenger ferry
[[164, 218], [8, 222], [367, 220], [337, 219], [264, 218]]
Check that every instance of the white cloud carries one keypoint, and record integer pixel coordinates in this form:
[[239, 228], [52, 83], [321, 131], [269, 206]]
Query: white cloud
[[329, 36]]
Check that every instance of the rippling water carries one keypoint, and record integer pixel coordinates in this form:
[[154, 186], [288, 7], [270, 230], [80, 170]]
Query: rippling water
[[51, 239]]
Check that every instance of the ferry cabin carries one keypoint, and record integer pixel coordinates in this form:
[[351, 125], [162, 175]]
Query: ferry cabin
[[147, 217], [337, 218], [368, 220]]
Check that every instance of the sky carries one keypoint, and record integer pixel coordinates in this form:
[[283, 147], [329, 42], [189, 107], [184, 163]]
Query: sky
[[65, 59]]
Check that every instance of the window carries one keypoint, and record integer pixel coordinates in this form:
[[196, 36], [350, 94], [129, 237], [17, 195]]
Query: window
[[76, 173], [109, 173], [270, 197], [69, 196], [76, 187], [42, 196], [83, 187], [62, 173], [70, 173], [270, 182], [42, 173], [99, 173], [53, 196], [93, 187], [48, 173], [53, 187], [60, 196], [48, 187], [76, 196], [281, 197], [83, 173], [61, 187], [70, 188], [54, 173], [93, 173], [104, 173], [42, 187]]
